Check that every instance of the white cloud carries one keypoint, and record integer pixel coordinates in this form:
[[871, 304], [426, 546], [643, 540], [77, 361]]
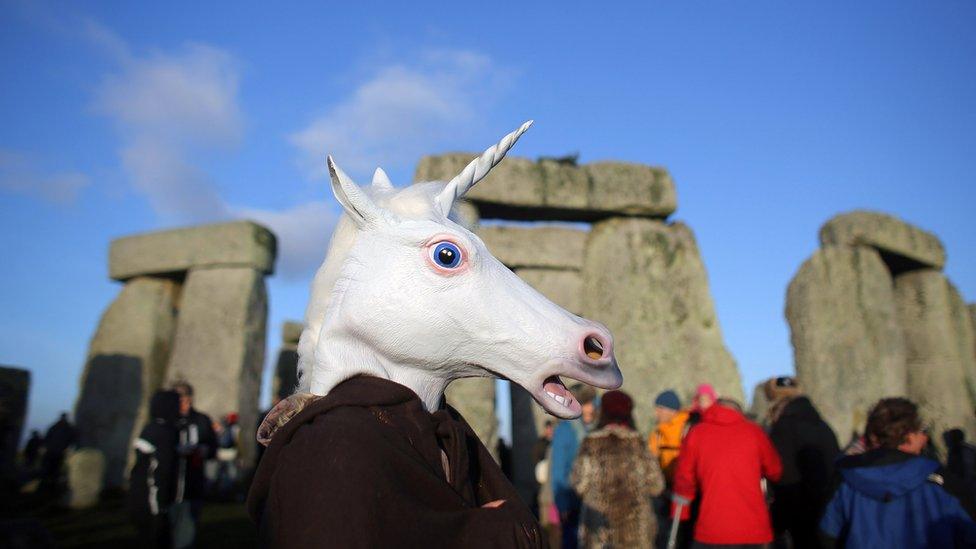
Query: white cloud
[[402, 112], [18, 174], [164, 106], [303, 234]]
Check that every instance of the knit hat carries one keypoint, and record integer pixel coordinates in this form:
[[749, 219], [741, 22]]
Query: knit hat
[[583, 393], [779, 387], [668, 399], [705, 389], [616, 407]]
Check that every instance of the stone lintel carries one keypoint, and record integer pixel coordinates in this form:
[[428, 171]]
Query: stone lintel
[[233, 244]]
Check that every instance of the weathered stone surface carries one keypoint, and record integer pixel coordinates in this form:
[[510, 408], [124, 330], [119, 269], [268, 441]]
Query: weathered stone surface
[[14, 393], [291, 331], [519, 188], [474, 398], [86, 468], [546, 247], [940, 349], [759, 406], [645, 280], [126, 363], [890, 235], [235, 244], [219, 343], [564, 288], [847, 343]]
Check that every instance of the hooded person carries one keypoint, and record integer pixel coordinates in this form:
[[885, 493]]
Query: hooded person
[[892, 496], [616, 477], [154, 480], [808, 448], [724, 459]]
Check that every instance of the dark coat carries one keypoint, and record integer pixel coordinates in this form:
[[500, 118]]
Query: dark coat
[[154, 477], [807, 446], [196, 435], [364, 467], [892, 499]]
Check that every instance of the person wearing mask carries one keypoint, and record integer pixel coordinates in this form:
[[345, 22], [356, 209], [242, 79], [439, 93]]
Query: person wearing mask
[[892, 496], [198, 443], [808, 448], [565, 442], [154, 480], [616, 477], [724, 459]]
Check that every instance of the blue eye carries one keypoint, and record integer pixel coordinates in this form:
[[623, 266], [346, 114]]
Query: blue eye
[[447, 255]]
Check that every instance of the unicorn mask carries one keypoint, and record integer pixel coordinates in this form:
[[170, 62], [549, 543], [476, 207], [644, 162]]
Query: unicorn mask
[[408, 294]]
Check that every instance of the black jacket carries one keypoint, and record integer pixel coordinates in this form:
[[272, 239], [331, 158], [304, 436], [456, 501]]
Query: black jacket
[[198, 443], [154, 478], [808, 448]]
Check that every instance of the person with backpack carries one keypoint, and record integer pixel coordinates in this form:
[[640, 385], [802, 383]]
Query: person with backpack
[[892, 496]]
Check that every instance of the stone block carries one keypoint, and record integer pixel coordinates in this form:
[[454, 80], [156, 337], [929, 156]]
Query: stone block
[[903, 246], [519, 188], [291, 332], [219, 343], [235, 244], [645, 280], [86, 468], [126, 363], [564, 288], [941, 353], [547, 247], [474, 398], [847, 343], [14, 395]]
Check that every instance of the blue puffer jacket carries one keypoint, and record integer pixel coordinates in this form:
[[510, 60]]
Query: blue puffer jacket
[[892, 499]]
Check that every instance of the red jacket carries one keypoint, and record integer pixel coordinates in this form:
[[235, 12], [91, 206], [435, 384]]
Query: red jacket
[[723, 458]]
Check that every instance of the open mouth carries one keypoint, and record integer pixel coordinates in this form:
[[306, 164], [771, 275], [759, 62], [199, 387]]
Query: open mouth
[[557, 392]]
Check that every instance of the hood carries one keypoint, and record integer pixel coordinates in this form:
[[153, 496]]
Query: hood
[[800, 408], [885, 474], [165, 406], [722, 415]]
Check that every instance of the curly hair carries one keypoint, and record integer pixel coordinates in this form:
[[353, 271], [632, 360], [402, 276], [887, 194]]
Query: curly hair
[[890, 421]]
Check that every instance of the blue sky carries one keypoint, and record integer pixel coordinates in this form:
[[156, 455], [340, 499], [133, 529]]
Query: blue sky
[[772, 117]]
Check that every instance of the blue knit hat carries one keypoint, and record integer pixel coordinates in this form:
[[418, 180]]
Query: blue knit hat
[[668, 399]]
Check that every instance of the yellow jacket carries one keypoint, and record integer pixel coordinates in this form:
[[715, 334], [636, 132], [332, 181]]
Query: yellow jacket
[[665, 442]]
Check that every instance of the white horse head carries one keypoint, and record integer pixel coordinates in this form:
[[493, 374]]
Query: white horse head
[[408, 294]]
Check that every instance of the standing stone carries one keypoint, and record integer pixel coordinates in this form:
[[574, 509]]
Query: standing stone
[[562, 287], [219, 343], [126, 363], [286, 370], [14, 392], [474, 398], [847, 343], [645, 280], [941, 357], [86, 468]]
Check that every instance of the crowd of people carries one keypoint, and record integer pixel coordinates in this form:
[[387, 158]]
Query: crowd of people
[[709, 475]]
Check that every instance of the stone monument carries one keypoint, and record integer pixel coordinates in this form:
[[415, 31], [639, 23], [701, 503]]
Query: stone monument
[[193, 307]]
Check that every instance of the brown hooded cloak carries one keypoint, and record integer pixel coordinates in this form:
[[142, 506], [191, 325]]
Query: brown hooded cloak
[[368, 466]]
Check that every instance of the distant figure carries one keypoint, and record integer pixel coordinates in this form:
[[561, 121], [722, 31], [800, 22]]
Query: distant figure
[[961, 458], [808, 448], [565, 443], [891, 496], [198, 443], [724, 459], [548, 514], [227, 454], [705, 397], [664, 443], [32, 449], [59, 437], [616, 477], [154, 483]]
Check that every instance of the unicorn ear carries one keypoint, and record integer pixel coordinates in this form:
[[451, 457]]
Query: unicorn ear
[[381, 181], [476, 170], [357, 204]]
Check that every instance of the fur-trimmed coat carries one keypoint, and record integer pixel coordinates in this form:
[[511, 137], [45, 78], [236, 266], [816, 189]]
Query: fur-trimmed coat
[[616, 477]]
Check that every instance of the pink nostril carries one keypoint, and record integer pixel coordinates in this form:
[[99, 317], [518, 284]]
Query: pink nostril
[[595, 347]]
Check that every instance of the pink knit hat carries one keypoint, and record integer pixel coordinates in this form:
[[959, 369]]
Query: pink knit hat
[[705, 389]]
